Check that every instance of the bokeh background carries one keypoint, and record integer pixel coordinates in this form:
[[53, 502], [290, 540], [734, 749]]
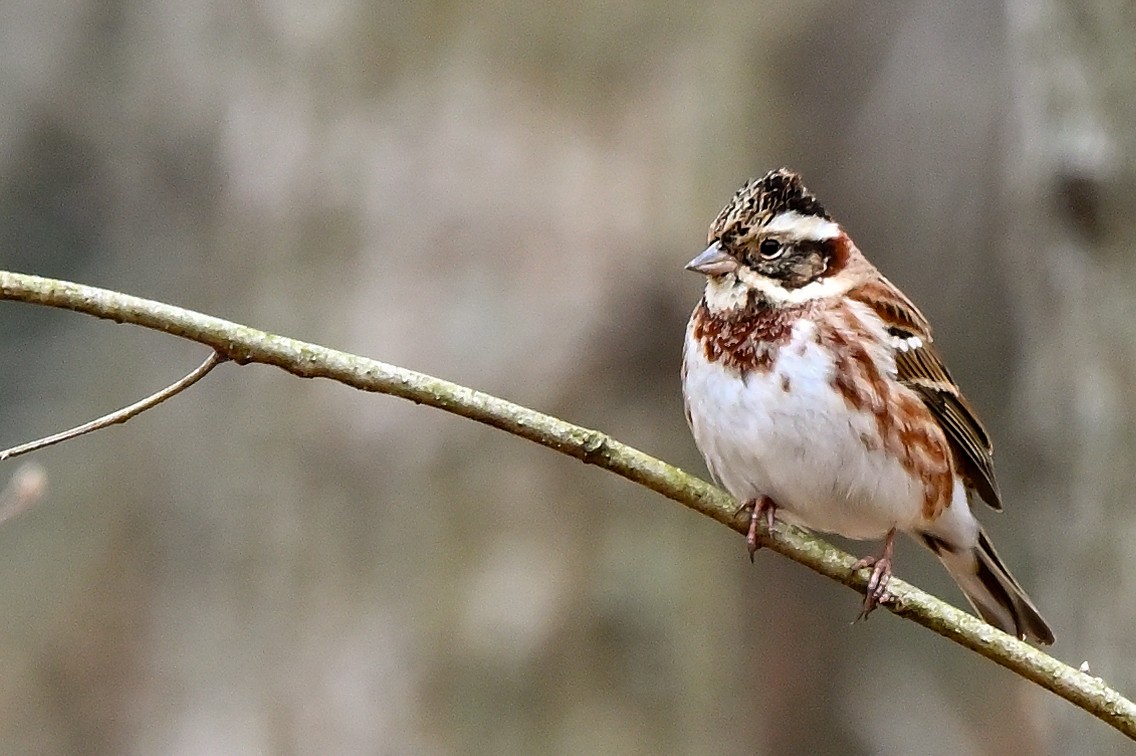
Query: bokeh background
[[504, 195]]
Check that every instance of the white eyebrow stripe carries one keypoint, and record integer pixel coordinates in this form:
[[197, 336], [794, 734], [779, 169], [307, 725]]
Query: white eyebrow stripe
[[796, 227]]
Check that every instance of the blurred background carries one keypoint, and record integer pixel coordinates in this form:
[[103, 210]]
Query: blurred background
[[505, 196]]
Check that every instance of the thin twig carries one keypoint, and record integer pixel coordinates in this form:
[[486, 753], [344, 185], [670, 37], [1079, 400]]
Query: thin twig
[[243, 345], [120, 416]]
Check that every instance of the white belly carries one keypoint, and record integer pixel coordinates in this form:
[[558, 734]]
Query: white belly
[[788, 434]]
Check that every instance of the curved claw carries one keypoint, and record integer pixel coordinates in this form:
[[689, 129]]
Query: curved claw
[[764, 506], [876, 592]]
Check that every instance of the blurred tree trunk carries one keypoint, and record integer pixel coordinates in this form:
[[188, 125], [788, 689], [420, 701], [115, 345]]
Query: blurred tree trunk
[[1070, 263]]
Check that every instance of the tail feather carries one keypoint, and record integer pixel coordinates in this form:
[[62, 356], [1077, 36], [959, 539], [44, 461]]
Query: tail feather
[[991, 589]]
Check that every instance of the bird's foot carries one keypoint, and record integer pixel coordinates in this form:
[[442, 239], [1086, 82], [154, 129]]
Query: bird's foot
[[763, 506], [876, 593]]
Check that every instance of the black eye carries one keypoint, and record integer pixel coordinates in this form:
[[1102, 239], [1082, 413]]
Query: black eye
[[770, 249]]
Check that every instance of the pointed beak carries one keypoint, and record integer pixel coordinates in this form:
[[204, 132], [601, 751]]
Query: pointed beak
[[714, 261]]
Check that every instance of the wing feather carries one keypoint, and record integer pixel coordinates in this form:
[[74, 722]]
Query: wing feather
[[919, 367]]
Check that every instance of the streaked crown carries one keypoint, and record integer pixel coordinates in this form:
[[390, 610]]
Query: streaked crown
[[761, 201]]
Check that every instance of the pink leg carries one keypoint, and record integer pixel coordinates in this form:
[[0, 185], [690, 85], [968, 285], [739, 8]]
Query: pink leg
[[881, 574], [757, 508]]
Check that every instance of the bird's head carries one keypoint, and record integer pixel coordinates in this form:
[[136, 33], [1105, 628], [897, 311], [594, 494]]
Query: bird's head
[[774, 241]]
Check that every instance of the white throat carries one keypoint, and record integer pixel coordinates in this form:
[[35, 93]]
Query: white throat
[[725, 294]]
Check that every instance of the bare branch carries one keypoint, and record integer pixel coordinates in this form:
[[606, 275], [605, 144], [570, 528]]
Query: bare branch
[[244, 345], [119, 416]]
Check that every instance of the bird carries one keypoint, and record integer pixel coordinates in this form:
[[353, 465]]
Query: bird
[[815, 394]]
